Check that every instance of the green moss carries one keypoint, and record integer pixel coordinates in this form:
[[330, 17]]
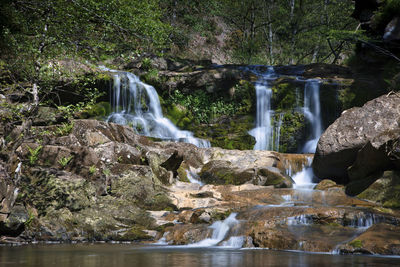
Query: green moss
[[228, 133], [219, 173], [178, 115], [292, 131], [134, 233], [356, 243], [182, 173], [284, 95], [219, 216]]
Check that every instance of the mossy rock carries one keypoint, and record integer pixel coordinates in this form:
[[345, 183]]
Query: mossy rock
[[228, 132], [385, 190], [356, 243], [293, 131], [99, 110], [182, 172], [178, 115], [327, 184], [134, 233], [272, 176], [220, 172], [286, 94]]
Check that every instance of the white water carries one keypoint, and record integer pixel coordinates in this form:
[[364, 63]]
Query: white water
[[137, 104], [304, 178], [220, 230], [312, 112], [193, 177], [278, 132], [267, 132], [263, 132]]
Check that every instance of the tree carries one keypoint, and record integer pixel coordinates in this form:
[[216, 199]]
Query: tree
[[37, 33]]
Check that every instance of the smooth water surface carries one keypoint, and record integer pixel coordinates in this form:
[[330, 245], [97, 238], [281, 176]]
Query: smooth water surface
[[94, 255]]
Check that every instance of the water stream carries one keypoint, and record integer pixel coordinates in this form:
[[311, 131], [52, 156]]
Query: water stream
[[267, 131], [263, 132], [137, 104], [312, 112]]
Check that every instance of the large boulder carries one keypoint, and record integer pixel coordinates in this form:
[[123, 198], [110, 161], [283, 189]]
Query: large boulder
[[361, 142]]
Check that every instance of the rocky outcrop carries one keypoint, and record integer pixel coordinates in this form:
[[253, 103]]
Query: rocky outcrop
[[384, 191], [361, 142], [371, 242]]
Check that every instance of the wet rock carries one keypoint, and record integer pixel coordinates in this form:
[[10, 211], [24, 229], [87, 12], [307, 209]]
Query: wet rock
[[272, 176], [379, 239], [273, 238], [354, 146], [327, 184], [187, 234]]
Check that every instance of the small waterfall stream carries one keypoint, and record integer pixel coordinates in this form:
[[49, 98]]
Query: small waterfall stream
[[220, 231], [137, 104], [267, 131], [263, 132], [312, 112]]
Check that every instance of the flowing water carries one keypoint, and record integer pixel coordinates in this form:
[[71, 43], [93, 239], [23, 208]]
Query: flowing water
[[312, 112], [137, 104], [263, 132], [267, 130]]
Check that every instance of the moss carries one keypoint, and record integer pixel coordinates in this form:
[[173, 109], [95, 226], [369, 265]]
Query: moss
[[182, 175], [178, 115], [219, 216], [134, 233], [161, 228], [284, 95], [220, 172], [158, 202], [356, 243], [98, 110], [292, 132], [228, 132]]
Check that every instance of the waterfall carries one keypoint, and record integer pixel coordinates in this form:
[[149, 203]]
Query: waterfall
[[137, 104], [193, 177], [267, 132], [312, 112], [220, 230], [304, 178], [277, 134], [263, 131]]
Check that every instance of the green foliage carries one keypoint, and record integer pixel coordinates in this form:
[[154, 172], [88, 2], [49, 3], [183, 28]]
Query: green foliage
[[356, 243], [64, 161], [34, 154], [205, 106], [146, 63], [31, 218], [107, 172], [65, 128], [286, 32], [92, 169]]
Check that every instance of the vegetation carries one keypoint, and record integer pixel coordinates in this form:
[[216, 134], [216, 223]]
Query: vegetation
[[34, 154]]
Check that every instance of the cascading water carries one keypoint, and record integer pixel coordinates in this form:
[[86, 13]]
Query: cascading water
[[220, 231], [268, 124], [137, 104], [304, 178], [312, 112], [278, 132], [263, 132]]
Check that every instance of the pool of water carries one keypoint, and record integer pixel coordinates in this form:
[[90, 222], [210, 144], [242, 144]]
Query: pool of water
[[88, 255]]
